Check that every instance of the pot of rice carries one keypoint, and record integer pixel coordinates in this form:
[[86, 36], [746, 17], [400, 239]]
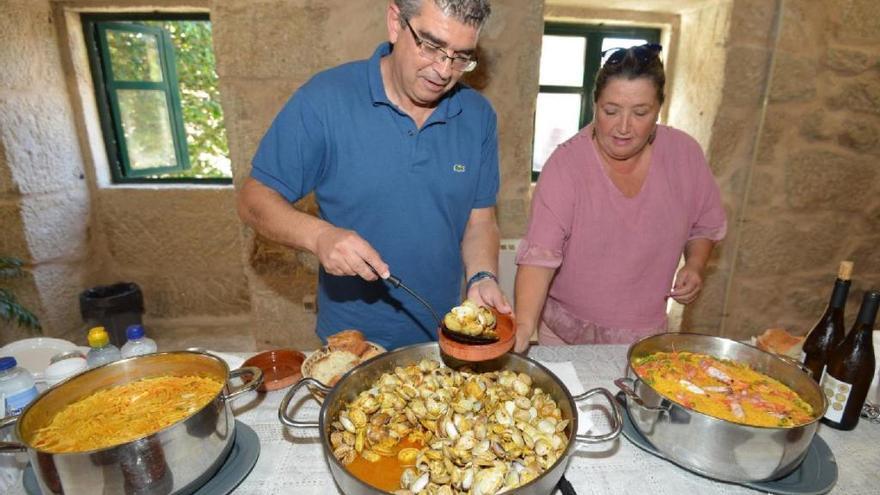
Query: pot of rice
[[721, 408], [153, 424]]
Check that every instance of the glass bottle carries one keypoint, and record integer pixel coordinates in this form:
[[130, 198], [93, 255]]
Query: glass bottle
[[829, 331], [850, 369]]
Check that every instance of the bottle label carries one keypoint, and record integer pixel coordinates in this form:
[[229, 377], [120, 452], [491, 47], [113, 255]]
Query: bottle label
[[16, 403], [837, 392]]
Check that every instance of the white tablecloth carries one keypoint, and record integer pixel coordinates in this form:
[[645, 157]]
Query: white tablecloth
[[291, 461]]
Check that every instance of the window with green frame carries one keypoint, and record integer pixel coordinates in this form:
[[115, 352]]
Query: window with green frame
[[158, 97], [571, 55]]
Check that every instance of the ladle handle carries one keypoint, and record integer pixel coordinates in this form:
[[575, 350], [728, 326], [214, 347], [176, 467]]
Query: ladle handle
[[397, 284], [419, 299]]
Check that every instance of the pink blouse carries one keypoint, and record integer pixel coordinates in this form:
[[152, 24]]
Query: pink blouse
[[616, 256]]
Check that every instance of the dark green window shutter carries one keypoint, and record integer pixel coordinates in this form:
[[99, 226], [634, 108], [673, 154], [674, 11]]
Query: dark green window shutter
[[140, 81]]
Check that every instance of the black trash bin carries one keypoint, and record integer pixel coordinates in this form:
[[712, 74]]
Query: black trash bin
[[114, 307]]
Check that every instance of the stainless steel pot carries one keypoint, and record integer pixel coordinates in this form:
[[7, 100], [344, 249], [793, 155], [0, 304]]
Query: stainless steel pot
[[365, 375], [714, 447], [176, 459]]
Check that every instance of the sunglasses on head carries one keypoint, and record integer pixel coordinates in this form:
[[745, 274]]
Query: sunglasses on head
[[642, 53]]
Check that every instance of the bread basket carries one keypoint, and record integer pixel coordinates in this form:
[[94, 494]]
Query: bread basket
[[313, 358]]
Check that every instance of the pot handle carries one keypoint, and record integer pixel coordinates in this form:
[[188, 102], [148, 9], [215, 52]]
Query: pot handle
[[255, 381], [794, 362], [10, 447], [285, 403], [626, 386], [616, 420]]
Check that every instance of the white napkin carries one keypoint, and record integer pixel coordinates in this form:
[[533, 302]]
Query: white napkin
[[568, 376]]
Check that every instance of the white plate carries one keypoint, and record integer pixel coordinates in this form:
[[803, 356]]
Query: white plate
[[34, 354]]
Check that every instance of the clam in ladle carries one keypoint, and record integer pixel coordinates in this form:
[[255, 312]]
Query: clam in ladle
[[470, 324]]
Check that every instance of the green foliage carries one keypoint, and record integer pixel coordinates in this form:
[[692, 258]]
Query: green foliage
[[10, 308]]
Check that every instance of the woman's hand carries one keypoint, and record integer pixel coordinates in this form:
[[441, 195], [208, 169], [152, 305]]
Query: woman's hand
[[523, 339], [689, 280], [688, 283]]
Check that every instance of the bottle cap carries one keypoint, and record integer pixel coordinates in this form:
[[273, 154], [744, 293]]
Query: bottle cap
[[7, 363], [98, 337], [134, 332], [845, 270]]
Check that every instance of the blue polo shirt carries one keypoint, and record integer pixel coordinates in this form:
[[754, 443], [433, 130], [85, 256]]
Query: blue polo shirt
[[407, 191]]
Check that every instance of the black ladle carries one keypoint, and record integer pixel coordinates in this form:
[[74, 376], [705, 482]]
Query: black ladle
[[467, 339], [396, 283], [451, 334]]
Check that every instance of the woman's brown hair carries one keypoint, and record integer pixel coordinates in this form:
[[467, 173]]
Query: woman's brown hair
[[633, 63]]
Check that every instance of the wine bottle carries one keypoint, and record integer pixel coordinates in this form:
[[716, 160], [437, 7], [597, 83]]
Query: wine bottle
[[850, 369], [829, 331]]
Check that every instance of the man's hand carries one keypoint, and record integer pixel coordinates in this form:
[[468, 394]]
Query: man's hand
[[486, 292], [344, 252], [688, 283]]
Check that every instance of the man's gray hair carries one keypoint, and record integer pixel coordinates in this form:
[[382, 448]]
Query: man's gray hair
[[470, 12]]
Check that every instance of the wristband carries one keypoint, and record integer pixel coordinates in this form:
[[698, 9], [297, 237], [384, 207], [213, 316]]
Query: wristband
[[480, 276]]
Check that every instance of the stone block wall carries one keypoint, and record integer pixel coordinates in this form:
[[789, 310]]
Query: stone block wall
[[729, 45], [44, 201], [813, 198]]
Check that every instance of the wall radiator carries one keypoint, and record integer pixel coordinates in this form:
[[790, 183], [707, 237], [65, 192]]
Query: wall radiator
[[507, 266]]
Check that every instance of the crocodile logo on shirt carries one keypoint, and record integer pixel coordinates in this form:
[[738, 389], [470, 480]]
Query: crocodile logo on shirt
[[458, 167]]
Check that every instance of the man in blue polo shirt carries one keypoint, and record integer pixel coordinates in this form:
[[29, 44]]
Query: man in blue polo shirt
[[403, 161]]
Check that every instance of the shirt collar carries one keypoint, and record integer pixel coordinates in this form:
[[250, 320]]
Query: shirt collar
[[448, 107]]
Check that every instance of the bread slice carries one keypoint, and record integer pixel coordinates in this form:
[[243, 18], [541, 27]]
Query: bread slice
[[333, 365], [352, 341], [779, 341]]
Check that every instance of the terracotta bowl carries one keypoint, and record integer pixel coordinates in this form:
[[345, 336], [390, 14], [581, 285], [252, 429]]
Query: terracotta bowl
[[482, 352], [281, 368]]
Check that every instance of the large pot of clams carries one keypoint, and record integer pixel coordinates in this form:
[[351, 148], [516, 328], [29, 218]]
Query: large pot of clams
[[408, 422]]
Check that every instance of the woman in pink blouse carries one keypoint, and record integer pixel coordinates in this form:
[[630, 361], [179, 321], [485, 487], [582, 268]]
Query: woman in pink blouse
[[613, 211]]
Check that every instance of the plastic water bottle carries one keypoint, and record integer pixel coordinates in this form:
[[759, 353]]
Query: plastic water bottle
[[17, 390], [137, 343], [16, 385], [102, 351]]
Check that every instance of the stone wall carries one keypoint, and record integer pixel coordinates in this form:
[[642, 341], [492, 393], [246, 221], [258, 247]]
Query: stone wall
[[44, 200], [730, 46], [813, 195]]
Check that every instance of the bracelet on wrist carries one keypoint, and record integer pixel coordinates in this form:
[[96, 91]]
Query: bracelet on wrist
[[480, 276]]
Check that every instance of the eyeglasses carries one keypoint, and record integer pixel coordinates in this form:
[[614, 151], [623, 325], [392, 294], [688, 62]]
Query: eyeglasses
[[438, 54], [642, 53]]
